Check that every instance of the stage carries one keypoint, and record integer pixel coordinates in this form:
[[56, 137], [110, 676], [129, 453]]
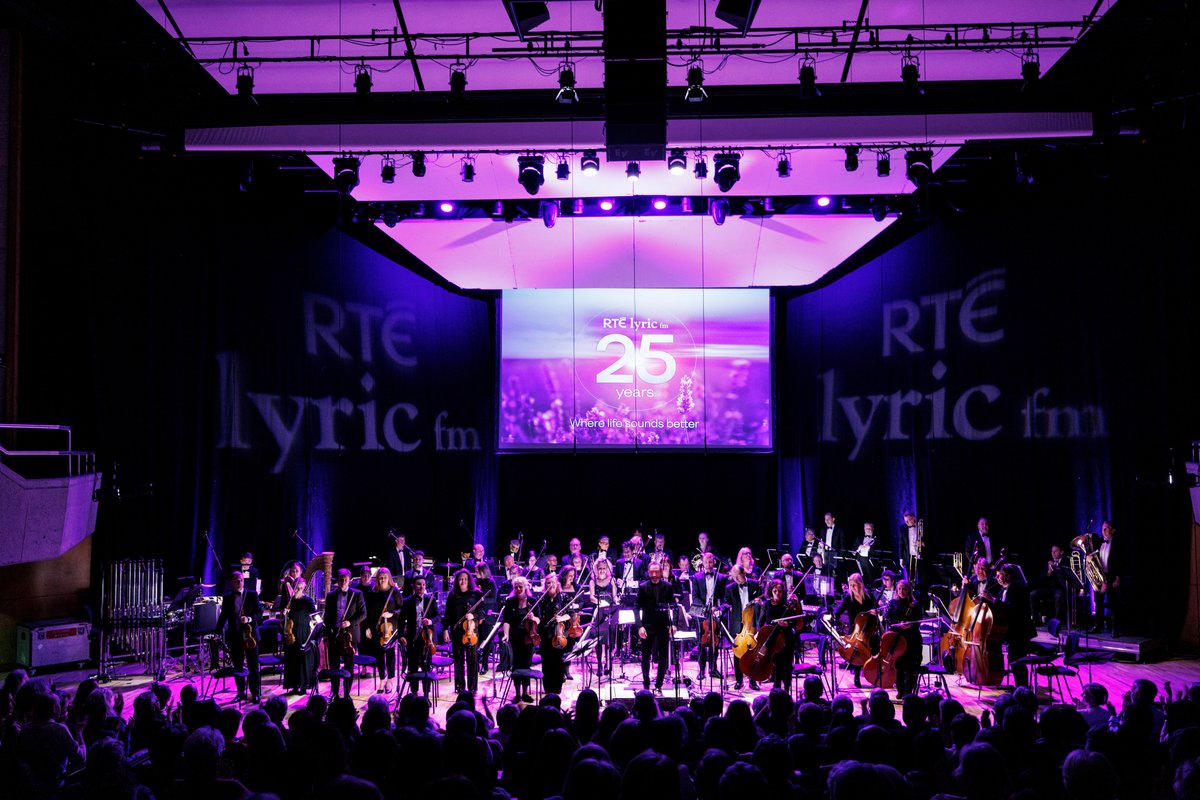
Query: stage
[[1117, 676]]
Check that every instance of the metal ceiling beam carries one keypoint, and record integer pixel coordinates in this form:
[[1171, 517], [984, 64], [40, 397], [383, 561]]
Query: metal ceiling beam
[[408, 43], [858, 26]]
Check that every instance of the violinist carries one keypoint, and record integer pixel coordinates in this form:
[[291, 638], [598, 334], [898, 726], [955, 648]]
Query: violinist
[[416, 633], [299, 657], [382, 604], [654, 601], [605, 600], [904, 611], [345, 610], [517, 608], [1011, 603], [740, 592], [241, 613], [776, 606], [554, 618], [854, 602], [708, 592], [459, 601], [745, 559]]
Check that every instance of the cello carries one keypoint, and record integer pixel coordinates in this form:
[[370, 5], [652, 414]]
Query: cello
[[855, 649], [745, 640], [880, 669], [983, 662], [758, 662]]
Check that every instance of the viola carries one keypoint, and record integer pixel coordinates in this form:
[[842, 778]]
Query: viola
[[532, 637], [248, 642], [574, 630], [705, 633], [427, 640], [470, 635]]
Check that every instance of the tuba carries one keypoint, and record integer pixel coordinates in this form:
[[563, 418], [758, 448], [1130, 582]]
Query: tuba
[[1085, 544]]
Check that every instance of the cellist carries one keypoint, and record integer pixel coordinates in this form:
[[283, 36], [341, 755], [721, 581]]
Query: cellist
[[904, 610], [775, 607], [854, 602]]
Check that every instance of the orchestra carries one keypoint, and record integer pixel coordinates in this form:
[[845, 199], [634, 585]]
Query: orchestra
[[535, 606]]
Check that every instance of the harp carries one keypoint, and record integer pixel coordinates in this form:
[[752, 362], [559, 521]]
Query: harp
[[321, 566]]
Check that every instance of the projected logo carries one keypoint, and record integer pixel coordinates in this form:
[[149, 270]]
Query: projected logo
[[631, 361]]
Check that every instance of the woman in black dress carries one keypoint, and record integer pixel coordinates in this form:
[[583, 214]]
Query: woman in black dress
[[299, 657], [382, 603], [605, 602], [517, 607], [774, 608], [459, 603], [854, 602], [553, 608]]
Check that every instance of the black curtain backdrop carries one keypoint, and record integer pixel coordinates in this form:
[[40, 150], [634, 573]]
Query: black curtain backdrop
[[1027, 367]]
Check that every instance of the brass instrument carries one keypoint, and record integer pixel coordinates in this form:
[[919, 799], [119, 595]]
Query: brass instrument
[[920, 538], [1085, 543], [697, 561], [1075, 563]]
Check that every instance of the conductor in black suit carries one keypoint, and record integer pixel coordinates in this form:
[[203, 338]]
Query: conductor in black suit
[[1012, 605], [240, 607], [654, 598], [345, 610]]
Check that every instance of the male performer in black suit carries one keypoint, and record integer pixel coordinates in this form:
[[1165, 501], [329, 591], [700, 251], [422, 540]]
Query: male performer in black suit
[[708, 593], [345, 610], [979, 543], [654, 599], [417, 615], [477, 558], [740, 592], [660, 551], [629, 568], [908, 547], [602, 550], [240, 607], [788, 573], [1112, 565], [1012, 605], [419, 570], [246, 566], [832, 535], [1054, 584], [397, 560]]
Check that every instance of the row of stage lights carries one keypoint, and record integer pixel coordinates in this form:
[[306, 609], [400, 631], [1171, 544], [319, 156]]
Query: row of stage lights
[[568, 94], [391, 213], [726, 170]]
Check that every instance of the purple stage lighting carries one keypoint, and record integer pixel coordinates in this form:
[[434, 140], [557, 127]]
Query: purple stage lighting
[[823, 202], [446, 207], [606, 205], [660, 204]]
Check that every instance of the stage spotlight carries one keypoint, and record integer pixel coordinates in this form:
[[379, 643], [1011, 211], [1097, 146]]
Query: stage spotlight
[[345, 173], [919, 167], [529, 172], [879, 209], [808, 77], [458, 81], [566, 84], [589, 163], [245, 82], [1031, 68], [883, 164], [910, 72], [726, 170], [695, 91], [677, 162], [387, 173], [390, 217], [446, 207], [468, 170], [659, 204], [633, 170], [548, 210], [563, 170], [851, 159], [685, 205], [719, 209], [362, 79], [823, 201], [700, 170], [606, 205], [418, 165], [784, 167]]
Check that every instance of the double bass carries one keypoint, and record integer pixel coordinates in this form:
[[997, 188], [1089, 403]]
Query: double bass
[[953, 647], [880, 669], [855, 649], [745, 640], [983, 660]]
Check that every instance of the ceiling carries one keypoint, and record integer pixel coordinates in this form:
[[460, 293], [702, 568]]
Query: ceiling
[[304, 85]]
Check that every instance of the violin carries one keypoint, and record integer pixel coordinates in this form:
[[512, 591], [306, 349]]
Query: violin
[[427, 640], [470, 635], [387, 628], [574, 630], [531, 632], [248, 642], [705, 632]]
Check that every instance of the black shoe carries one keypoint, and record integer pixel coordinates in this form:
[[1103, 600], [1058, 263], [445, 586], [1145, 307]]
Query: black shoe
[[715, 674], [255, 700], [737, 687], [754, 685], [857, 683], [645, 687], [658, 691]]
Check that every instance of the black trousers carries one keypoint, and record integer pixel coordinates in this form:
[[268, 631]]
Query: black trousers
[[339, 661], [241, 658], [1052, 594], [520, 657], [1020, 672], [466, 660], [298, 666], [654, 647], [385, 661], [419, 661], [554, 669], [1109, 601]]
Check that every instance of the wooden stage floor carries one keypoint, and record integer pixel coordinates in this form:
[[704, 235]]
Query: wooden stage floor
[[1116, 676]]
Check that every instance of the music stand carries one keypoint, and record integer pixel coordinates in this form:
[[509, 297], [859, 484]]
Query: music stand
[[184, 598]]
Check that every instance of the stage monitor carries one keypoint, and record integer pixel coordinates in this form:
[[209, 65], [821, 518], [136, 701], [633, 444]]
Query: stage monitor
[[635, 368]]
